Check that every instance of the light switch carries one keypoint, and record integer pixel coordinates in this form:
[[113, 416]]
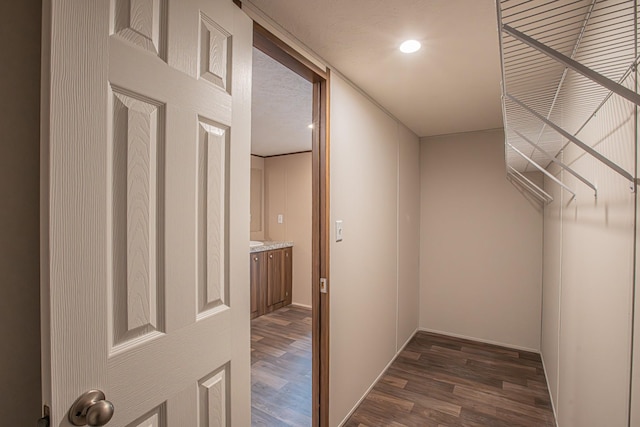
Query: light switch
[[280, 218], [339, 230]]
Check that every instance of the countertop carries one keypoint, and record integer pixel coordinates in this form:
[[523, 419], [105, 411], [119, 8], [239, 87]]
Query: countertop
[[268, 246]]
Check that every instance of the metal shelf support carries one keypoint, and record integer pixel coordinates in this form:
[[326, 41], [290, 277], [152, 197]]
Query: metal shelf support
[[573, 139], [543, 170], [574, 65], [559, 163], [530, 185]]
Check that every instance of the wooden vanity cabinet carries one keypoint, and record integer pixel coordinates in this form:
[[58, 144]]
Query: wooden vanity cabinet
[[271, 280], [258, 275], [288, 275], [275, 279]]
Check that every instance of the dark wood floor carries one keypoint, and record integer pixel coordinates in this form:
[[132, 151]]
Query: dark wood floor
[[441, 381], [281, 368]]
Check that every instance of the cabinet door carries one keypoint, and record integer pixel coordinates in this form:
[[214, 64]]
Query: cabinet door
[[258, 278], [275, 280], [288, 275]]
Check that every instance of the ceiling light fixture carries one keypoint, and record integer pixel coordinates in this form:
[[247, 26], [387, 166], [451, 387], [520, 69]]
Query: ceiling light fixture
[[410, 46], [310, 126]]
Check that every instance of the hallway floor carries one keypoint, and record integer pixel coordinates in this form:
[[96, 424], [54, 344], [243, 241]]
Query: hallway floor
[[442, 381], [281, 368]]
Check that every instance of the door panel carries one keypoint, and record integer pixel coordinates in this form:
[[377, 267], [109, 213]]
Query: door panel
[[146, 222], [136, 174], [213, 161]]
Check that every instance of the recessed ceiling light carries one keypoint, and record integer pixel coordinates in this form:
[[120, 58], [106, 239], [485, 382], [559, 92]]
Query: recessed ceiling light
[[310, 126], [410, 46]]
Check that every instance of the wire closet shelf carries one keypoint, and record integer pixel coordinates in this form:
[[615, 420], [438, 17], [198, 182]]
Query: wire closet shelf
[[562, 60]]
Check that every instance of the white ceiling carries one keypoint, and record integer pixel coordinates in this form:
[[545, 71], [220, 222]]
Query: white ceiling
[[281, 109], [451, 85]]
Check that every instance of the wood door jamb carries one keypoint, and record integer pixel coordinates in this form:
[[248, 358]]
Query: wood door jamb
[[280, 51]]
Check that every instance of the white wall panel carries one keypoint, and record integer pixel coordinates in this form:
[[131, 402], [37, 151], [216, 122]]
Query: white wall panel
[[364, 287], [588, 311], [481, 244], [408, 236], [635, 380], [552, 250]]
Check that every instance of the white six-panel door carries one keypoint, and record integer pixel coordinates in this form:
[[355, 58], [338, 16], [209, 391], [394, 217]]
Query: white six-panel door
[[146, 148]]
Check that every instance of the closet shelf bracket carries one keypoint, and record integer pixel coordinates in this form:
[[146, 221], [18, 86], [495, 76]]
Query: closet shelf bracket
[[530, 185], [558, 162], [573, 139], [574, 65], [541, 169]]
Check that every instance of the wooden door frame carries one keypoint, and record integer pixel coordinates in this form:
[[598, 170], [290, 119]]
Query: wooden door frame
[[277, 49]]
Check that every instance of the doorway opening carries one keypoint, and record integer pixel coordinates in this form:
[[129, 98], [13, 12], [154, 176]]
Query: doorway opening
[[289, 234]]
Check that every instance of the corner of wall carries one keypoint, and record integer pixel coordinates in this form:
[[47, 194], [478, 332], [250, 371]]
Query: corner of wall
[[467, 286]]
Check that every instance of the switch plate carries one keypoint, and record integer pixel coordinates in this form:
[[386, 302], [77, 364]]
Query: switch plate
[[339, 230], [280, 218]]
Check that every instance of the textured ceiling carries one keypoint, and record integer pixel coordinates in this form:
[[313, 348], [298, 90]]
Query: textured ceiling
[[451, 85], [280, 109]]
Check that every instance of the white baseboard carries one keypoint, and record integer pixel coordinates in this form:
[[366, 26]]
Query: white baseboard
[[295, 304], [413, 334], [501, 344], [546, 377], [366, 393]]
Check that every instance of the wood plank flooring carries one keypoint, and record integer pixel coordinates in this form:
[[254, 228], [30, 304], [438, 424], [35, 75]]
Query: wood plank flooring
[[442, 381], [281, 368]]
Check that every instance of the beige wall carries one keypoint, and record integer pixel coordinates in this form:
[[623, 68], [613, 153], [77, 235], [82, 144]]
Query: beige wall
[[288, 192], [481, 244], [372, 170], [19, 214], [588, 281], [552, 252], [257, 199], [408, 238], [635, 379]]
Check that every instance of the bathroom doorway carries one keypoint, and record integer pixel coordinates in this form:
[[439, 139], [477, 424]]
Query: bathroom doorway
[[289, 236]]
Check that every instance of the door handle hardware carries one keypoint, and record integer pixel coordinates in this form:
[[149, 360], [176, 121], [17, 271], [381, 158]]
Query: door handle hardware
[[45, 421], [91, 409]]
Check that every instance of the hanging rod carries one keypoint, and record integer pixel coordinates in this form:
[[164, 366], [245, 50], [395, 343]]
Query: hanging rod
[[573, 139], [574, 65], [559, 163], [543, 198], [526, 183], [543, 170], [530, 185]]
